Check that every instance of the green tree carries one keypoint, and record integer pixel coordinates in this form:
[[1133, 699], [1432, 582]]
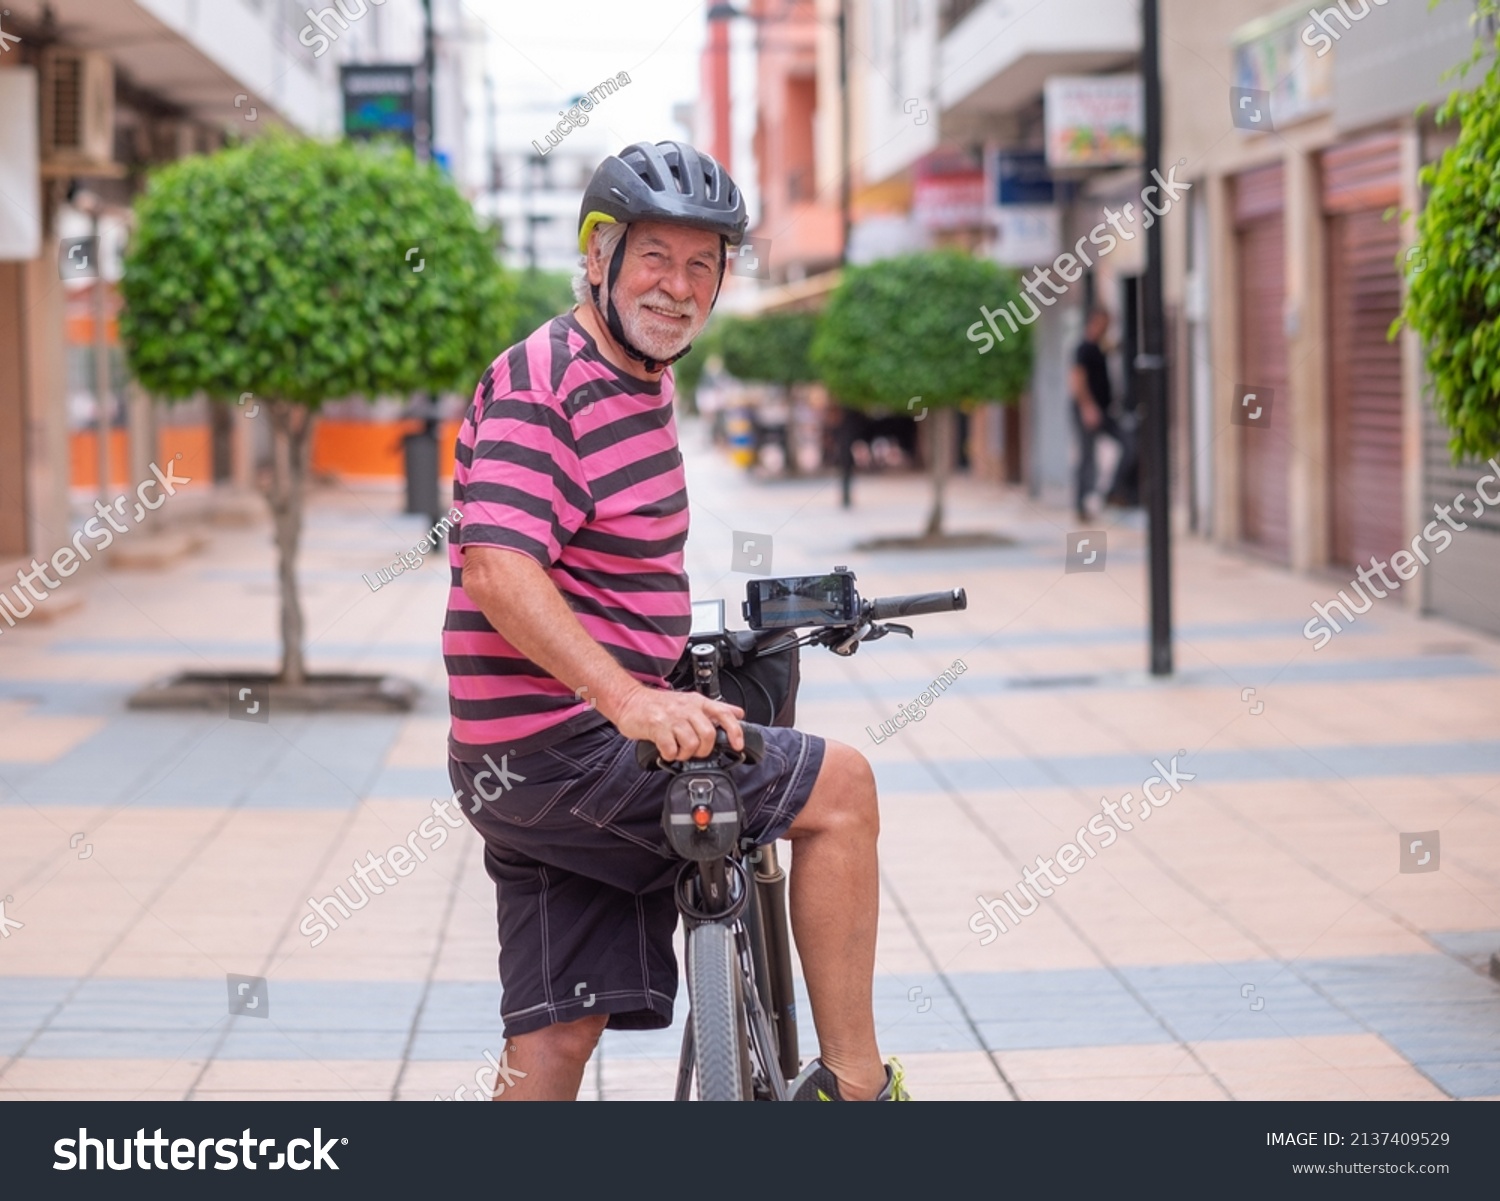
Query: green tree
[[895, 336], [1453, 294], [299, 272], [771, 348], [540, 296]]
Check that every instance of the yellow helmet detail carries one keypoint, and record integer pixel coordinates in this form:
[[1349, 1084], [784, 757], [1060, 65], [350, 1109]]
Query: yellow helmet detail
[[593, 219]]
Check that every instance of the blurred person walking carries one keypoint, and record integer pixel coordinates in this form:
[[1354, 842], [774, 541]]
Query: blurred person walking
[[1093, 398]]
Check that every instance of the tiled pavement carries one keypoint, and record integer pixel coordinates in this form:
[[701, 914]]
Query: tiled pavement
[[1255, 940]]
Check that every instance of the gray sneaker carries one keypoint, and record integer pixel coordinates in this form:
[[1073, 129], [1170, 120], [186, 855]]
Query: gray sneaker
[[816, 1083]]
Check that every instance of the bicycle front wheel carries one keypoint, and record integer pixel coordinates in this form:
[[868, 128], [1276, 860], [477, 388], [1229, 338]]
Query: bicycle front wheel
[[718, 1014]]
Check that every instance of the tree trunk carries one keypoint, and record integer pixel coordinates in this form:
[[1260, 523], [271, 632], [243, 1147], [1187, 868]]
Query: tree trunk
[[940, 463], [846, 457], [790, 439], [291, 425]]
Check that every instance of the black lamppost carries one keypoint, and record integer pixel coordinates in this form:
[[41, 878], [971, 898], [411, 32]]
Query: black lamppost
[[1150, 367], [419, 450]]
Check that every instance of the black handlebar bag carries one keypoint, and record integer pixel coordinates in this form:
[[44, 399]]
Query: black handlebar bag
[[764, 686]]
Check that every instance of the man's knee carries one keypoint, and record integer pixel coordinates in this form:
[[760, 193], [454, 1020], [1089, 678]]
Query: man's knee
[[573, 1041], [843, 797]]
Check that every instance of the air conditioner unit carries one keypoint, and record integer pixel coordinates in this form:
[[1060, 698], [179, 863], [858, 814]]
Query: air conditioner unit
[[78, 109], [173, 139]]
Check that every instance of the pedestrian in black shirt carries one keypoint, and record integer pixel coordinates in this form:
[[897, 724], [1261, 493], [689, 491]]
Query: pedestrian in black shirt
[[1088, 382]]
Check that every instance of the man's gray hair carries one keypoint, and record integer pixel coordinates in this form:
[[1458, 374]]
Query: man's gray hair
[[610, 234]]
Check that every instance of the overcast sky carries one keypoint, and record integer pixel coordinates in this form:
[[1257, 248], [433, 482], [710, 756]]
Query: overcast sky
[[547, 51]]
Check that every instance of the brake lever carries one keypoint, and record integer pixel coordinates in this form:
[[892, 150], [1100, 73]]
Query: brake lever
[[889, 627], [851, 644]]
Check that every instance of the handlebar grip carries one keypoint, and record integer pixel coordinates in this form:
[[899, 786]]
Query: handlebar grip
[[918, 603], [647, 756]]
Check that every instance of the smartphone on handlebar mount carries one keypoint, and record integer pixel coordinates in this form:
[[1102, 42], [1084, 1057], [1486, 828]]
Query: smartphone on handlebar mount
[[808, 600]]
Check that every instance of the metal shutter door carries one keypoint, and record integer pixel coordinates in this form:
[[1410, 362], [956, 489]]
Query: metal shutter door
[[1264, 453], [1360, 181]]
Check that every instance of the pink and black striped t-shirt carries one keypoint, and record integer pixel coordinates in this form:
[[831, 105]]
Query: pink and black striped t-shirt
[[564, 458]]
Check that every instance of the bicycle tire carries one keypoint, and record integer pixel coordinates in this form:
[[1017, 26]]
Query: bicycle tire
[[718, 1015]]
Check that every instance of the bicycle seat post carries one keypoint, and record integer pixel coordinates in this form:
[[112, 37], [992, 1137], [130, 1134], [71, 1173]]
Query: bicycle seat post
[[706, 670]]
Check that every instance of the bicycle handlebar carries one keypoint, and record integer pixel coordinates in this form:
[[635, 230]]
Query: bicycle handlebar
[[648, 758], [884, 608]]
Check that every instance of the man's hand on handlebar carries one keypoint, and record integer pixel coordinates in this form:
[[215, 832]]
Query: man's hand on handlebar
[[681, 724]]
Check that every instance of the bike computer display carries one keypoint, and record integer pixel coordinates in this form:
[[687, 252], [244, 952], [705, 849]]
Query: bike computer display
[[812, 600], [708, 618]]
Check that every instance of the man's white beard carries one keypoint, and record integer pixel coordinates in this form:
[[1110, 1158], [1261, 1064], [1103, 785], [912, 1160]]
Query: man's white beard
[[646, 332]]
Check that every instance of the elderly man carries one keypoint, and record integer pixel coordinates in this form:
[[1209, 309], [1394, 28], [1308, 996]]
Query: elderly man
[[568, 609]]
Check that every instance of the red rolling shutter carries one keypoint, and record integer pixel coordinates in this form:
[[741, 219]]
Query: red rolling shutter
[[1264, 453], [1360, 181]]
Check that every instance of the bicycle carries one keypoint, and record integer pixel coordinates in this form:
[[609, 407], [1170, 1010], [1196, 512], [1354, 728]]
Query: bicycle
[[740, 1043]]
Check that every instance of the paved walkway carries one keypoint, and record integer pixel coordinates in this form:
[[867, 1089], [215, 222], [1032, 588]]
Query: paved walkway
[[1253, 938]]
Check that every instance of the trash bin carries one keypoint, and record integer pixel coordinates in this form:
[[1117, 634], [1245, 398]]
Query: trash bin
[[741, 430], [420, 451]]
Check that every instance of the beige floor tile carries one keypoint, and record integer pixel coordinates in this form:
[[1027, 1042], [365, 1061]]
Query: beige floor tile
[[927, 1070], [1098, 1063], [1122, 1088], [299, 1075], [1333, 1084], [88, 1094], [33, 738], [86, 1075], [1315, 1053], [291, 1095]]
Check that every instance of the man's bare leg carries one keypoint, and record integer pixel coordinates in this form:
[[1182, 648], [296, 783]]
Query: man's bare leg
[[547, 1064], [835, 887]]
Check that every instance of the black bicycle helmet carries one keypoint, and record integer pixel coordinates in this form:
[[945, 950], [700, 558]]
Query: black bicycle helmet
[[668, 181]]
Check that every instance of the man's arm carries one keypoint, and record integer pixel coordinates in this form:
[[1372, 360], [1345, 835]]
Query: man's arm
[[525, 607]]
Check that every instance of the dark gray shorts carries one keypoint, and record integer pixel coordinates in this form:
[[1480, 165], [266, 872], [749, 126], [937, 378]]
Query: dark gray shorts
[[583, 874]]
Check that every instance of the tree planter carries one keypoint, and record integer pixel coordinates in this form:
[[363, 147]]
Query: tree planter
[[977, 540], [328, 693]]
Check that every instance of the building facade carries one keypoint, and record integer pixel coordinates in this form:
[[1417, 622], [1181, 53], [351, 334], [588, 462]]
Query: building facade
[[105, 90], [1289, 275]]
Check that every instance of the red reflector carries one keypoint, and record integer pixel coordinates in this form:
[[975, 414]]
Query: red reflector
[[702, 815]]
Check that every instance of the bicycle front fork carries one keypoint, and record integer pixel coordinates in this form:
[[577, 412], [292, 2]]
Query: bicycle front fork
[[770, 938]]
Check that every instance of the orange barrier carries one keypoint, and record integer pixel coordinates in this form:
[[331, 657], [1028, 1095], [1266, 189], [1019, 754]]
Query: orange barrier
[[196, 445], [353, 449], [193, 442], [372, 449], [83, 451]]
